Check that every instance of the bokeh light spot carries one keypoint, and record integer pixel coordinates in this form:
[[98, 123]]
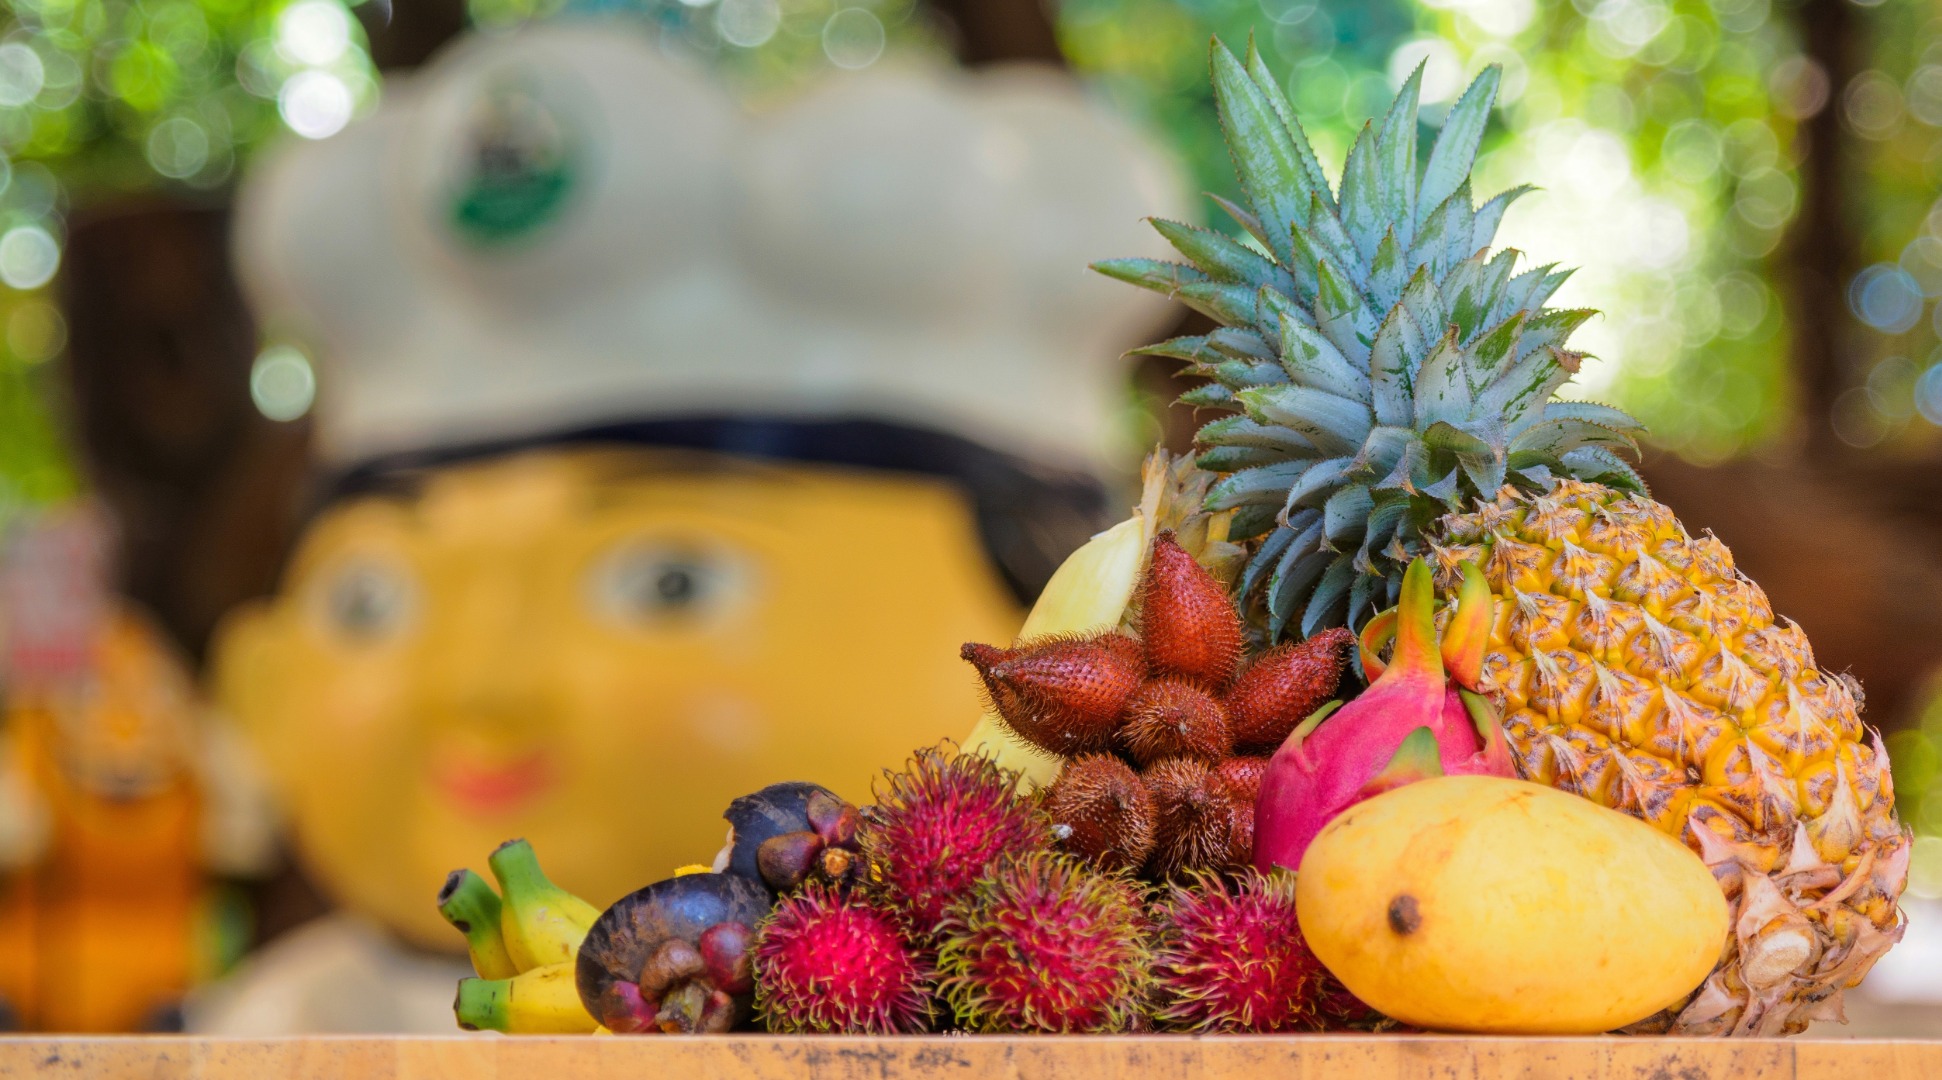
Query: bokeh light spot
[[1928, 395], [1742, 304], [1692, 150], [36, 332], [1620, 28], [1858, 419], [1886, 297], [29, 256], [1922, 259], [1873, 105], [1286, 12], [178, 148], [1442, 70], [315, 104], [282, 383], [853, 38], [1800, 87], [747, 23], [1924, 95], [21, 74], [1318, 86], [1893, 384], [313, 32]]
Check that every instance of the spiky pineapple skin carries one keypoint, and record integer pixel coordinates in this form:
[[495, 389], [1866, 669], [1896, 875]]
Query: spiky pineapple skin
[[1638, 668]]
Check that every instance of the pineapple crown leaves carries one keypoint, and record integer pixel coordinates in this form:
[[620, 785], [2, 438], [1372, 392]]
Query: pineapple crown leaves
[[1382, 365]]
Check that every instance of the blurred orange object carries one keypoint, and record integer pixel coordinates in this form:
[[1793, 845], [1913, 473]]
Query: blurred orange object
[[100, 932], [105, 906]]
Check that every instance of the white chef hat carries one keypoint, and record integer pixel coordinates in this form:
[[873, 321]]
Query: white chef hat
[[564, 227]]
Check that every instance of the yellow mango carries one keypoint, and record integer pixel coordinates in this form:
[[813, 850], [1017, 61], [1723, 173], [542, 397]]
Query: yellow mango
[[1480, 904]]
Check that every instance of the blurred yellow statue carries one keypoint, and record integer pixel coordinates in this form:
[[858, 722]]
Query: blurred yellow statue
[[597, 650]]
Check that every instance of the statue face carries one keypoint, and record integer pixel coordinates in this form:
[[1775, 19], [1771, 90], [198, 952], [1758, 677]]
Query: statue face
[[597, 650]]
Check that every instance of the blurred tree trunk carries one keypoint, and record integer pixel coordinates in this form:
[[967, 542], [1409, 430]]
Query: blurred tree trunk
[[202, 487], [1002, 31], [1820, 251], [405, 33]]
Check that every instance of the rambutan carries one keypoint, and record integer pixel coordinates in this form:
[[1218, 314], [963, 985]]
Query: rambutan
[[1100, 810], [1282, 686], [827, 962], [1064, 695], [1232, 958], [1187, 623], [1047, 943], [1173, 717], [1197, 823], [940, 825]]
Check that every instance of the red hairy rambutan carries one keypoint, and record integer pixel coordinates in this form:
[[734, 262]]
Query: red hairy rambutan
[[1187, 624], [827, 962], [1172, 717], [1064, 695], [1100, 810], [1197, 823], [1047, 943], [1282, 686], [1232, 958], [940, 825]]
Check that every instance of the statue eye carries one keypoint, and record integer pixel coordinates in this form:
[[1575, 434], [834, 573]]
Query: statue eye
[[640, 584], [368, 601]]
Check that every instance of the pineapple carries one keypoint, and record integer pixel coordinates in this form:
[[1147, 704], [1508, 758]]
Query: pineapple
[[1391, 385]]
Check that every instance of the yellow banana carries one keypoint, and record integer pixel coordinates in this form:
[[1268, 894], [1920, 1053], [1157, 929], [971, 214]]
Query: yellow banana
[[542, 923], [543, 1001], [1089, 591], [469, 904]]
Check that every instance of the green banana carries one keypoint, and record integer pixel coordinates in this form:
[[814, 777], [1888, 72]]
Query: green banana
[[542, 923], [543, 1001], [469, 904]]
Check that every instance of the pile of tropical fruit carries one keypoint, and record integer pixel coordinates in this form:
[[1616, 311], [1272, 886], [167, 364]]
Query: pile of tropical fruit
[[1400, 704]]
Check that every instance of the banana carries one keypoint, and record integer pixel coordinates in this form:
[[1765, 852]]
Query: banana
[[469, 904], [1089, 591], [543, 1001], [542, 923]]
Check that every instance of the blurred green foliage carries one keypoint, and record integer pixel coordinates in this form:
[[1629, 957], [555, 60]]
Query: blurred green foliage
[[100, 98], [1660, 133], [763, 46]]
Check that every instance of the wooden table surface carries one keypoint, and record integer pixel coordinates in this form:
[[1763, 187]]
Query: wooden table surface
[[1049, 1057]]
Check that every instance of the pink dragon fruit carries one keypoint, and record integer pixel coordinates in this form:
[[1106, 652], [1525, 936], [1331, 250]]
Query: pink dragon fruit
[[1411, 723]]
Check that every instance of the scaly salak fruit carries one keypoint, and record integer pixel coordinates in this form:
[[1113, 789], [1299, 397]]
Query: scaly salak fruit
[[1091, 591]]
